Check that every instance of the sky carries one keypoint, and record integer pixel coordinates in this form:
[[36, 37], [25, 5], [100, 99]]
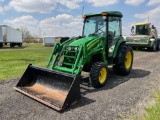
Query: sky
[[61, 18]]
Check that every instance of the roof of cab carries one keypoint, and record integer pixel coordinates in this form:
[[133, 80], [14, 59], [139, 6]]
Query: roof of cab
[[142, 23], [109, 13]]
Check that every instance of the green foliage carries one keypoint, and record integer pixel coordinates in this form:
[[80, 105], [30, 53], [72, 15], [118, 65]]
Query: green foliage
[[14, 61]]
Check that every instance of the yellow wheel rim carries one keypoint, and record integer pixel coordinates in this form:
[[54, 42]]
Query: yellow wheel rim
[[102, 75], [128, 60]]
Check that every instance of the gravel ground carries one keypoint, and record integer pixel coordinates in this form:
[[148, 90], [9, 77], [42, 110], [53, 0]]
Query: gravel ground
[[122, 97]]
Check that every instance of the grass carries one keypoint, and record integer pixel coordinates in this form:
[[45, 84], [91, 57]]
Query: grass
[[14, 61], [153, 112]]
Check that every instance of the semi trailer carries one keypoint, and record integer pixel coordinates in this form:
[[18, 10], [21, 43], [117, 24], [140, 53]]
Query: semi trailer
[[11, 36]]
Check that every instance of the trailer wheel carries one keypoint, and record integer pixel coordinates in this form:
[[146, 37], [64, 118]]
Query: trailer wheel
[[20, 44], [1, 44], [11, 44], [98, 74], [124, 60]]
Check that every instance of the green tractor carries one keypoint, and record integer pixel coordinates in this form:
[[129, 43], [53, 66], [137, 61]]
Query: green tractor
[[101, 45]]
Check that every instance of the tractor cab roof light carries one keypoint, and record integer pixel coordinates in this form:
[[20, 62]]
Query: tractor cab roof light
[[84, 16], [104, 13]]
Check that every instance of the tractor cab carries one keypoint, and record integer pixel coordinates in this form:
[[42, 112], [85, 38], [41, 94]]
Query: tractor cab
[[103, 25], [141, 28]]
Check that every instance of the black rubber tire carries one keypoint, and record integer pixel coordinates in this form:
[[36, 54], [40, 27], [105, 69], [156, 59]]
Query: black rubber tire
[[11, 45], [153, 48], [158, 45], [134, 48], [20, 44], [95, 74], [120, 67], [1, 45]]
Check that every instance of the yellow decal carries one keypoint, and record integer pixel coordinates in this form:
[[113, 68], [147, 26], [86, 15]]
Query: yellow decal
[[92, 44]]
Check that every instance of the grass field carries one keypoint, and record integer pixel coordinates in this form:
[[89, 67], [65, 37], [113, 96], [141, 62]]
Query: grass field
[[14, 61]]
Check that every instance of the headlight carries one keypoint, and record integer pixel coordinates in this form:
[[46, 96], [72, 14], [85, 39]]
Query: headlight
[[76, 48], [152, 40], [69, 48]]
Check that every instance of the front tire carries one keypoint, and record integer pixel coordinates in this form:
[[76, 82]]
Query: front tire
[[124, 60], [98, 74], [153, 48]]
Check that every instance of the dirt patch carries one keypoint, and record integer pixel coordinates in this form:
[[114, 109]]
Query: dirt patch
[[119, 98]]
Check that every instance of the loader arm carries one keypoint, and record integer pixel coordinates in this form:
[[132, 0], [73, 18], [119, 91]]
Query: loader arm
[[72, 57]]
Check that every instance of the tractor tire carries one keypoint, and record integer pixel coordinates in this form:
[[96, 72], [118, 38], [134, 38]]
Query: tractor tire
[[98, 74], [124, 60], [153, 48], [158, 45]]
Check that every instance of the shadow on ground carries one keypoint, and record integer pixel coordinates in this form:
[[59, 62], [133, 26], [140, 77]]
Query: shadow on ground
[[114, 80]]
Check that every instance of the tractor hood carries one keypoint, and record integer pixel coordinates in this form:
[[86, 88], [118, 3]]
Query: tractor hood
[[81, 41]]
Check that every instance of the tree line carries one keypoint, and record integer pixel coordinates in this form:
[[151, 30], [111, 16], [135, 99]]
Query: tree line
[[28, 37]]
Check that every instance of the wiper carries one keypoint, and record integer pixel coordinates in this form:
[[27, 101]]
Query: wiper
[[97, 31]]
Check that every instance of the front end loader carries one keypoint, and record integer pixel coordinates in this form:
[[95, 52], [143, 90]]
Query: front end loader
[[101, 45]]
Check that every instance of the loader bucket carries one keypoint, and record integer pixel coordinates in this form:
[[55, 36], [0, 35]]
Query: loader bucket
[[57, 90]]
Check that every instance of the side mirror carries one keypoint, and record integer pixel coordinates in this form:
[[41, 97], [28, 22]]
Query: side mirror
[[132, 29]]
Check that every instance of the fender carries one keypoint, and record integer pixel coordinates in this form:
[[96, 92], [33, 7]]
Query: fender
[[118, 43]]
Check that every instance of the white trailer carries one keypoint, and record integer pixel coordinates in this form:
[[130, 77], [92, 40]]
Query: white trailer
[[10, 35], [49, 40]]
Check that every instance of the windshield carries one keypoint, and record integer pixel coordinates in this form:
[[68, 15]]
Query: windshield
[[94, 26], [142, 30]]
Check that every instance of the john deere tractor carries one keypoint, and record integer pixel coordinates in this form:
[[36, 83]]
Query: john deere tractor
[[101, 45]]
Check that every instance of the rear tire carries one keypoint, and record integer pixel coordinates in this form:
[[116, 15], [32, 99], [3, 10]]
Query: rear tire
[[98, 74], [124, 60], [158, 45]]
